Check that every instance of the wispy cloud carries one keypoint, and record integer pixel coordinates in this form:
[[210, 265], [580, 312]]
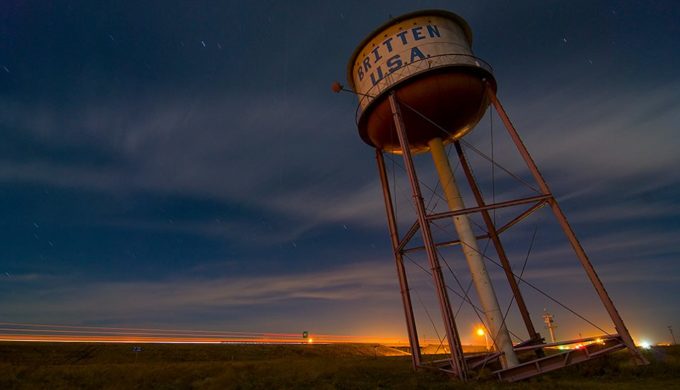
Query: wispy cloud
[[612, 135], [254, 150], [211, 148], [374, 281]]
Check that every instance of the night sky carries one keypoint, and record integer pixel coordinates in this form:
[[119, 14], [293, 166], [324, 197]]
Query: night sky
[[186, 164]]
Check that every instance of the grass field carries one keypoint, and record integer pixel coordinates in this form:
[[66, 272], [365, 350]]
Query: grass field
[[188, 366]]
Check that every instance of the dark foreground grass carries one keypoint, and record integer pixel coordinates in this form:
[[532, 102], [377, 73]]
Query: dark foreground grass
[[158, 366]]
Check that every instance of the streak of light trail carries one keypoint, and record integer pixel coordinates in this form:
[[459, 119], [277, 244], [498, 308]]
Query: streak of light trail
[[210, 340], [236, 335], [133, 329], [178, 331]]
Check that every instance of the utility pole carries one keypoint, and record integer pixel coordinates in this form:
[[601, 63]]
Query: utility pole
[[550, 324], [670, 329]]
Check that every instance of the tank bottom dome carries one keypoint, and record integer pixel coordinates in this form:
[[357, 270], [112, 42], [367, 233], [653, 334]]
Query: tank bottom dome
[[454, 99]]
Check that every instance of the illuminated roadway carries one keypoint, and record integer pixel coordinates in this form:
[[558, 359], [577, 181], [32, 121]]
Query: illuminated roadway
[[12, 331]]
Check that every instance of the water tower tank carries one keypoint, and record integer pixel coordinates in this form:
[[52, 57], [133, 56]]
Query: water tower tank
[[426, 58]]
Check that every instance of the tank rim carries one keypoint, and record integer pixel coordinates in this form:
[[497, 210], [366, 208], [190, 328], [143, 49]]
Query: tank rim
[[482, 73], [362, 116], [485, 72], [432, 12]]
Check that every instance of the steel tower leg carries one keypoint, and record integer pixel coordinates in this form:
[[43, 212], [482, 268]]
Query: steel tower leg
[[568, 231], [480, 276], [399, 259], [493, 235], [458, 364]]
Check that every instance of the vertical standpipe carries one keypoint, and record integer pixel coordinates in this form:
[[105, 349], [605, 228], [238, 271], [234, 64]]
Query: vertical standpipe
[[480, 276]]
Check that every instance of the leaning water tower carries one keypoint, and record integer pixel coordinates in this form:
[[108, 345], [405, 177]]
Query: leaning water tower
[[420, 88]]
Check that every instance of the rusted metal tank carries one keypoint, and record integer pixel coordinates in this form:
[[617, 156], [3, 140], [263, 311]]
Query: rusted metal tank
[[426, 58]]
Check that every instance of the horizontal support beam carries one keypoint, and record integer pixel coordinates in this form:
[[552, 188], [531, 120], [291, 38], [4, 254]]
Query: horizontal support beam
[[568, 342], [541, 199], [559, 360], [470, 210], [443, 244]]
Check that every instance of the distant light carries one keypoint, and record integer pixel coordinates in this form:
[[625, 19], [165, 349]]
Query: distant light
[[480, 332], [309, 341], [645, 345]]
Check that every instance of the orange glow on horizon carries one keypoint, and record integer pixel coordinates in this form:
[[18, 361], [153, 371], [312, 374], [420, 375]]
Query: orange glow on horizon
[[69, 333]]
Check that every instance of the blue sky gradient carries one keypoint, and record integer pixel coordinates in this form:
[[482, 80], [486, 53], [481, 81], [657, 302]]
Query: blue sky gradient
[[181, 163]]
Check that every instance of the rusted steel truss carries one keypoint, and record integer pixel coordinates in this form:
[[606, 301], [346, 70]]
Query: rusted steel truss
[[543, 359]]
